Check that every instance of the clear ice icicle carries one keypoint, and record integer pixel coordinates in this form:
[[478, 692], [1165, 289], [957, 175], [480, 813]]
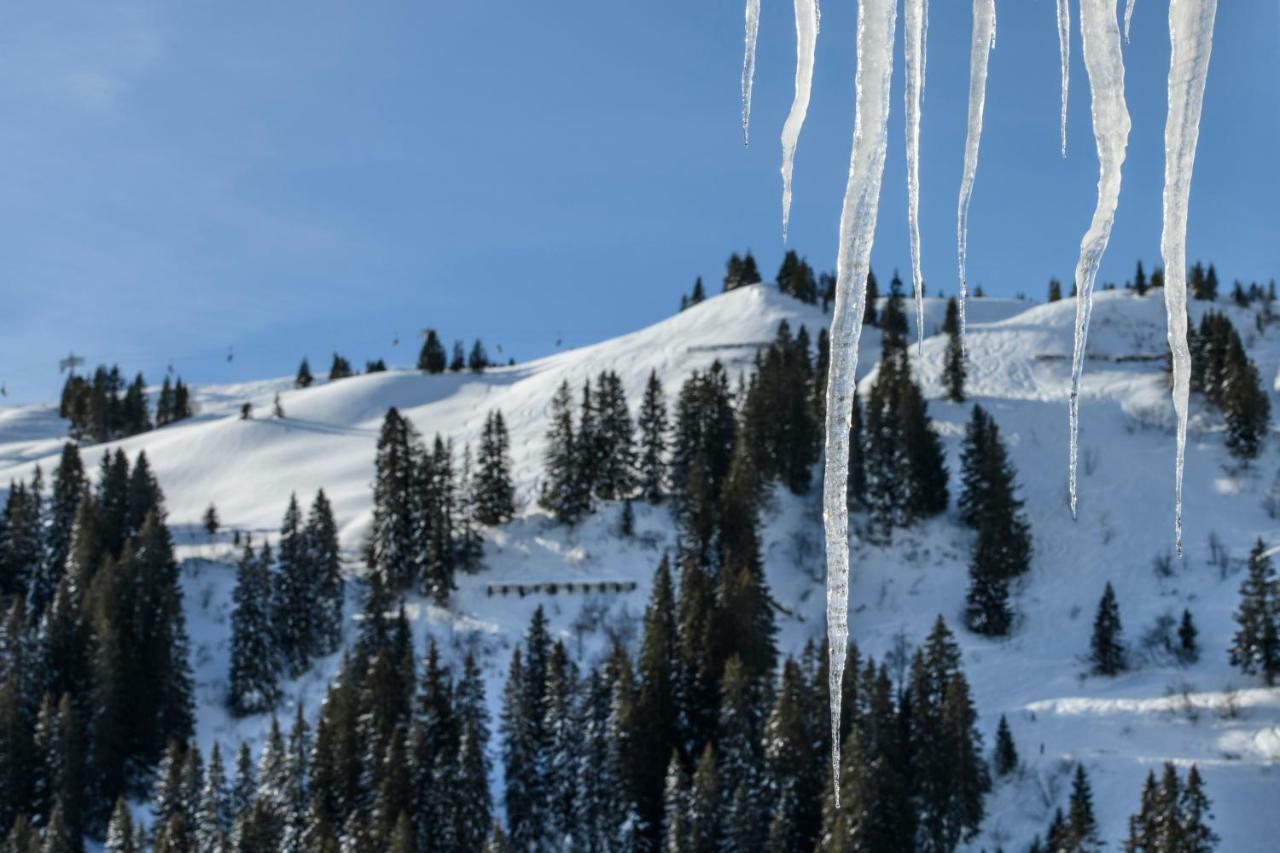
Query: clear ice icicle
[[877, 20], [749, 65], [806, 43], [1191, 42], [984, 38], [1128, 17], [913, 49], [1100, 37], [1064, 55]]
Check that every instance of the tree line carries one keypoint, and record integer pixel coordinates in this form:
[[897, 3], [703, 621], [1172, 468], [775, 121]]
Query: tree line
[[100, 408]]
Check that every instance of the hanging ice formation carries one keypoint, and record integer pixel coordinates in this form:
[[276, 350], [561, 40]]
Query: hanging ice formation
[[984, 39], [749, 65], [1100, 38], [1064, 55], [806, 42], [1191, 35], [1191, 42], [913, 49], [876, 22]]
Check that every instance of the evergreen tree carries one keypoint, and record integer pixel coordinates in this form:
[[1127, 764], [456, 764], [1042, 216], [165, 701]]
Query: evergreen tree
[[1140, 280], [675, 807], [320, 546], [459, 359], [1006, 756], [1055, 290], [494, 492], [564, 493], [164, 405], [304, 377], [705, 805], [291, 595], [69, 489], [468, 544], [616, 458], [1188, 649], [471, 812], [1246, 407], [339, 369], [253, 686], [953, 371], [210, 521], [478, 360], [1107, 651], [699, 293], [1193, 816], [213, 815], [120, 836], [652, 423], [657, 710], [431, 359], [1081, 828], [392, 550], [1255, 648]]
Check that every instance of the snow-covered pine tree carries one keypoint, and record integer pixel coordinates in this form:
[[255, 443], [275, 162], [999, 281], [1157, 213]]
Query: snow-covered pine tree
[[494, 492], [328, 592], [255, 661], [213, 816], [1107, 651], [292, 601], [652, 425], [392, 549], [564, 492], [468, 544], [1255, 647], [1006, 754], [953, 370], [616, 456]]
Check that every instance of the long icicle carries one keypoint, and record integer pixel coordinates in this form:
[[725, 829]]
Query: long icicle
[[749, 65], [984, 38], [877, 20], [913, 49], [1064, 55], [1191, 40], [1128, 17], [806, 44], [1100, 37]]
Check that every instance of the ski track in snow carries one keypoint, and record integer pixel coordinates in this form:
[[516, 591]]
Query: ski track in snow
[[1191, 41], [913, 49], [984, 39], [877, 20], [749, 65], [806, 43], [1100, 38], [1064, 55]]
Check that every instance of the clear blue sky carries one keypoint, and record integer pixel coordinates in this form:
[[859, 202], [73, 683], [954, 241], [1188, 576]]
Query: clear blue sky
[[178, 180]]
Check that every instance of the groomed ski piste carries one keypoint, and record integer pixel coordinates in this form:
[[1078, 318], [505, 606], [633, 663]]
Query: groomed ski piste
[[1019, 362]]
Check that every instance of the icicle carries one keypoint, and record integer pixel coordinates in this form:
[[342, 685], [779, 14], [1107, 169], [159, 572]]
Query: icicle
[[1100, 37], [1064, 53], [924, 40], [1128, 17], [1191, 39], [984, 38], [876, 22], [806, 42], [749, 65], [913, 49]]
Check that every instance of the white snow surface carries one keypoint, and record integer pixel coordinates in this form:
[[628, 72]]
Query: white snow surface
[[1120, 728]]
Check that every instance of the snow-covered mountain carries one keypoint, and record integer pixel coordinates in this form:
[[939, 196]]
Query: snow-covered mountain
[[1019, 363]]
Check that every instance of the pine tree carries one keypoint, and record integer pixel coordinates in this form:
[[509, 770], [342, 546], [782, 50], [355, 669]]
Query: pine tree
[[304, 377], [520, 760], [120, 837], [1255, 647], [213, 815], [471, 811], [291, 595], [1246, 407], [1107, 651], [459, 359], [1188, 649], [1142, 824], [699, 293], [953, 371], [320, 545], [494, 493], [652, 424], [68, 490], [1082, 827], [253, 686], [210, 521], [478, 360], [1140, 280], [675, 807], [1055, 290], [705, 805], [431, 359], [339, 369], [987, 609], [1194, 814], [616, 457], [564, 493], [392, 550], [1006, 756]]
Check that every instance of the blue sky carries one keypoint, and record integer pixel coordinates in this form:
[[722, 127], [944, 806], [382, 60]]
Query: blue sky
[[183, 180]]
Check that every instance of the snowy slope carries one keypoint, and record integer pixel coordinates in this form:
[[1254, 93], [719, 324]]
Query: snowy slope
[[1019, 369]]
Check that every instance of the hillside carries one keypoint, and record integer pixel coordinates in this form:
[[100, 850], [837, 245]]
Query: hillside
[[1019, 364]]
